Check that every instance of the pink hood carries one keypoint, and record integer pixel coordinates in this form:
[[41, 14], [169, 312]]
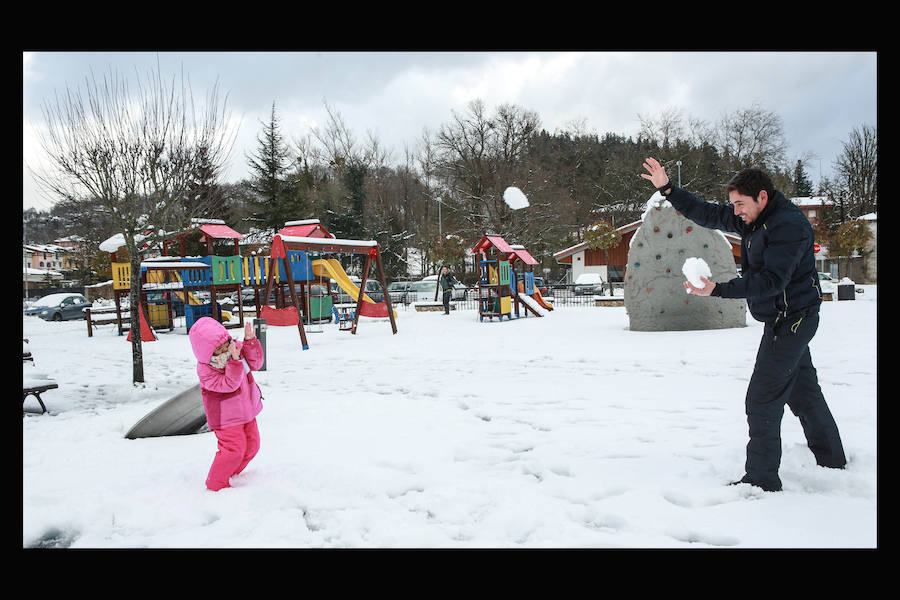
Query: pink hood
[[206, 335], [230, 395]]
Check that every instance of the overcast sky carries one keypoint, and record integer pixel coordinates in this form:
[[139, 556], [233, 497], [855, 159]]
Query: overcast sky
[[821, 96]]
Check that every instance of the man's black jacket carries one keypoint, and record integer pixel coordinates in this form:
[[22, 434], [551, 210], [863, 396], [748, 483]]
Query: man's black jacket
[[447, 282], [778, 266]]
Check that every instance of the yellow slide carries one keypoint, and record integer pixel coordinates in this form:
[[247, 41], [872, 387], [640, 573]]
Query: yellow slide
[[332, 268]]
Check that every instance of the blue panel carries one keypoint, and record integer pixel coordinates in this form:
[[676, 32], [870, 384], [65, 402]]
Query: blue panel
[[529, 283]]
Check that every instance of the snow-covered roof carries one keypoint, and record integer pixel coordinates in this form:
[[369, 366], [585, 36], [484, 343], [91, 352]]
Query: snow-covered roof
[[329, 241], [53, 299], [51, 272], [302, 222], [811, 200]]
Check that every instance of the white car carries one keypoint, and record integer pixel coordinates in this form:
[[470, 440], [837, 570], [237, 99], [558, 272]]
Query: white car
[[827, 283], [459, 290], [589, 284]]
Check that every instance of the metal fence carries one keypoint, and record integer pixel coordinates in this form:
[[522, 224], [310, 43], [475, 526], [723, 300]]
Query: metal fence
[[558, 295]]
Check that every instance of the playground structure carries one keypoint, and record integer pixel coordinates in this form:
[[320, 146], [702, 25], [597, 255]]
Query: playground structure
[[181, 277], [301, 260], [506, 281]]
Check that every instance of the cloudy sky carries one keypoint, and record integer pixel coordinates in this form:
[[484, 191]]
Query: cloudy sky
[[821, 96]]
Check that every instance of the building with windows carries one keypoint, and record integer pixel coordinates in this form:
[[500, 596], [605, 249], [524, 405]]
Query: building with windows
[[586, 260]]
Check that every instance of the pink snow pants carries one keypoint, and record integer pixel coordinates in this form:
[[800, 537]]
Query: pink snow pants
[[237, 447]]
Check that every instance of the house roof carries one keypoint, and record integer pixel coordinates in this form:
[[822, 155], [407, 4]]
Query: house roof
[[812, 200], [565, 255]]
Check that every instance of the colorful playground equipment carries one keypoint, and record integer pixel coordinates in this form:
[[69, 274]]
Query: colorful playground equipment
[[302, 255], [506, 282], [183, 277], [293, 254]]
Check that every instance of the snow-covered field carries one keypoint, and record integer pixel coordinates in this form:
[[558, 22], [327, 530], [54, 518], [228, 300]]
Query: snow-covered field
[[562, 431]]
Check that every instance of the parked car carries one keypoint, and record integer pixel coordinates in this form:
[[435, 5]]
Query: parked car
[[399, 291], [421, 291], [459, 290], [827, 283], [373, 290], [60, 307], [589, 284], [247, 297], [541, 286]]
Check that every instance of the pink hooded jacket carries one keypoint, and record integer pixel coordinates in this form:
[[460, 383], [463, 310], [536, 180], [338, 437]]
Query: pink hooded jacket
[[230, 396]]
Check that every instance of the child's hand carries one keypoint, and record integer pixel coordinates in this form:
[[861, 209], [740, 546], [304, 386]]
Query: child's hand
[[249, 334], [235, 350]]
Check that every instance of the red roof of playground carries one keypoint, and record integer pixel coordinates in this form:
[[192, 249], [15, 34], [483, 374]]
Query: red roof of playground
[[218, 232], [526, 256], [310, 228], [492, 240]]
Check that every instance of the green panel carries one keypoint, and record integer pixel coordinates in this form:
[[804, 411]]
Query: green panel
[[226, 269], [504, 272], [320, 306]]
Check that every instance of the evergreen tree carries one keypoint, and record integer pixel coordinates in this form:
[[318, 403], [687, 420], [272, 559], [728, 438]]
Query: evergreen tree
[[268, 184], [205, 193], [347, 221], [802, 185]]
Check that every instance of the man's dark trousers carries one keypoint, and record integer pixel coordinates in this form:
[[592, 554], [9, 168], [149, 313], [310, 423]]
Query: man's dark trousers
[[446, 298], [784, 374]]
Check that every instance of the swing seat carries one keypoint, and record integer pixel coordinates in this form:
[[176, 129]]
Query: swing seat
[[374, 309], [280, 316]]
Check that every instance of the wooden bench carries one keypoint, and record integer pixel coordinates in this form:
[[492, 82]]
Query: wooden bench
[[109, 315]]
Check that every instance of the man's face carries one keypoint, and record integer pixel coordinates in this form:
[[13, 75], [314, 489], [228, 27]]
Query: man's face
[[746, 207]]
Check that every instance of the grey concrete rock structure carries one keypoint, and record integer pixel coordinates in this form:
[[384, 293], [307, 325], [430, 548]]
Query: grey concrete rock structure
[[655, 299]]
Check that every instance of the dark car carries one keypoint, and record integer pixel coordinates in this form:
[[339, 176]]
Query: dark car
[[541, 286], [247, 297], [62, 307], [373, 290], [399, 291]]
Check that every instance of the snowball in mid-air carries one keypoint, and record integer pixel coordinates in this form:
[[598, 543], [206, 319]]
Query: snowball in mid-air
[[694, 269], [514, 198]]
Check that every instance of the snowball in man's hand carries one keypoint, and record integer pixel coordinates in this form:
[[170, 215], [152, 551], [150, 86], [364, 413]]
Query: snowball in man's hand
[[514, 198], [694, 269]]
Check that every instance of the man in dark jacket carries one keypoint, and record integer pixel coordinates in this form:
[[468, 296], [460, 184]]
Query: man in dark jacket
[[447, 282], [781, 286]]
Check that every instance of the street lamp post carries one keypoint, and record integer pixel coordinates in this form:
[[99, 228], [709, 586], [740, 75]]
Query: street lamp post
[[678, 164]]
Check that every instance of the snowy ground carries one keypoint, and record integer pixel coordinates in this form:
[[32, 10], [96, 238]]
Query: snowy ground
[[563, 431]]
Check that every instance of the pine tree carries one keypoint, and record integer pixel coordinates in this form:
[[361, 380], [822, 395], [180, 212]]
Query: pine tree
[[268, 183], [802, 185], [205, 193]]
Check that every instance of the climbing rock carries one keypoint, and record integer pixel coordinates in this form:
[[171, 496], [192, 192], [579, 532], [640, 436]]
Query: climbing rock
[[655, 299]]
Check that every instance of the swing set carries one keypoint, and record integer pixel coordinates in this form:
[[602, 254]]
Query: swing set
[[293, 253]]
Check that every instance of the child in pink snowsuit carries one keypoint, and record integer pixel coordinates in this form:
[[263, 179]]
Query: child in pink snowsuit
[[231, 397]]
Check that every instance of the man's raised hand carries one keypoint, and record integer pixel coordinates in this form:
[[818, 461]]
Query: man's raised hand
[[657, 173]]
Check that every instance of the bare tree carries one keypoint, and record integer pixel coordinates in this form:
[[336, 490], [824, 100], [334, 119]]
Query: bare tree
[[752, 136], [134, 155], [479, 156], [664, 129], [856, 170]]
